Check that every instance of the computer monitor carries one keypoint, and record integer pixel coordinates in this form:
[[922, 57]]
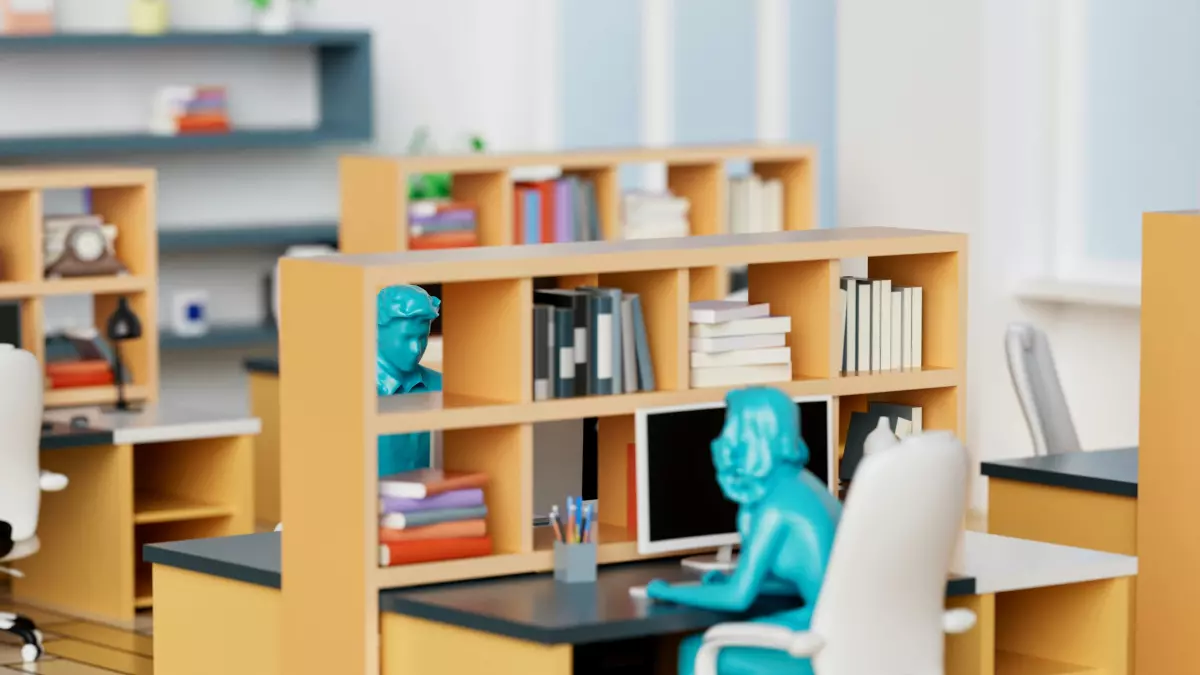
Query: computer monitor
[[680, 506]]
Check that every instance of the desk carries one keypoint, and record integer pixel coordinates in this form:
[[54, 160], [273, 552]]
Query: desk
[[1085, 499], [159, 474], [219, 605]]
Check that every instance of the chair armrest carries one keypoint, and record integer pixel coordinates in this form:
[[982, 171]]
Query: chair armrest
[[803, 644], [957, 621], [52, 482]]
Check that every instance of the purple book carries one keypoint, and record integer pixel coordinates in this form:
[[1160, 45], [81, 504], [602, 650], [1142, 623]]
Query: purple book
[[455, 499], [563, 211]]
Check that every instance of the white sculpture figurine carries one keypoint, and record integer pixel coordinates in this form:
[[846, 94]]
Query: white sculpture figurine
[[880, 439]]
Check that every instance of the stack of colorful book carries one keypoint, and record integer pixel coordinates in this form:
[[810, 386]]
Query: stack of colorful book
[[735, 343], [78, 358], [191, 110], [429, 515], [646, 215], [555, 211], [436, 224]]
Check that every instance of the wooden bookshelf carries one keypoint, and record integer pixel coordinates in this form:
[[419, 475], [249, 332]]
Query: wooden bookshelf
[[375, 201], [125, 197], [486, 412]]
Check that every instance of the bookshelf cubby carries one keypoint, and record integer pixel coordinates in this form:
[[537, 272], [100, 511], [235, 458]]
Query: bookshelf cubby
[[125, 197], [331, 415]]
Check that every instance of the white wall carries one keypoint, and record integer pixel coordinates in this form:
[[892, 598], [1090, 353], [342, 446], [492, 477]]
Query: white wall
[[937, 129], [460, 66]]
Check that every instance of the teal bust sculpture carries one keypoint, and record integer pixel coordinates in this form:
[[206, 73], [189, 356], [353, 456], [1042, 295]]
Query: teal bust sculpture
[[404, 314], [787, 520]]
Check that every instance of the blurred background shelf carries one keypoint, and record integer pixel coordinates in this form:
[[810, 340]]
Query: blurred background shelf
[[222, 337], [260, 236]]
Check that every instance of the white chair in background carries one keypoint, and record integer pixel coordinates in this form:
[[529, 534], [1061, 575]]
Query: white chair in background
[[881, 610], [1031, 364]]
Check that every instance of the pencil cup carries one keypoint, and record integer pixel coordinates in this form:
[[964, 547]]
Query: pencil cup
[[575, 563]]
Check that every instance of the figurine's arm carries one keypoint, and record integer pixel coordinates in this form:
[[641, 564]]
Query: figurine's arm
[[772, 585], [744, 585]]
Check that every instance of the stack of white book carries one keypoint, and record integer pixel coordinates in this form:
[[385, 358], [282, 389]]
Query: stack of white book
[[755, 205], [881, 326], [647, 215], [735, 343]]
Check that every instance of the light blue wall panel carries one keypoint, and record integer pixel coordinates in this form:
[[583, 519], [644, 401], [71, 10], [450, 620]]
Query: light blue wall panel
[[715, 71], [1142, 135], [602, 75], [813, 80]]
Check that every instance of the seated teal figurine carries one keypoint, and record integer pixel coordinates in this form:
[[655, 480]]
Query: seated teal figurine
[[787, 519], [404, 314]]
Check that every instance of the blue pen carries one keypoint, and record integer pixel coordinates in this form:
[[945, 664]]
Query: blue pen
[[587, 523], [571, 521], [579, 510]]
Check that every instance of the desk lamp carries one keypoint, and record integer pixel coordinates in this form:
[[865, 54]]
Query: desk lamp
[[123, 325]]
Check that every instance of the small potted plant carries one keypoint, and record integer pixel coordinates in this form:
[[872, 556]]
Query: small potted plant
[[273, 16]]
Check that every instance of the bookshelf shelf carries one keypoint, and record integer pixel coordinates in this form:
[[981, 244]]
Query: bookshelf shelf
[[154, 508], [486, 410]]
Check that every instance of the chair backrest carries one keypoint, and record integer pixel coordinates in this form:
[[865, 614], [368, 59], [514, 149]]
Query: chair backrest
[[20, 435], [882, 603], [1031, 364]]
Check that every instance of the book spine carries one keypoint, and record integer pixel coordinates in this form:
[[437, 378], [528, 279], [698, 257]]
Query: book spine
[[546, 221], [579, 216], [602, 337], [440, 240], [519, 216], [541, 374], [551, 352], [644, 361], [433, 550], [850, 342], [618, 356], [863, 359], [564, 329], [906, 329], [563, 209], [628, 350], [592, 307], [897, 325], [582, 318], [533, 214], [452, 530], [885, 325], [918, 325], [876, 321], [593, 213]]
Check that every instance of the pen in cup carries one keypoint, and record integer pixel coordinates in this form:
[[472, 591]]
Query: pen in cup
[[556, 523]]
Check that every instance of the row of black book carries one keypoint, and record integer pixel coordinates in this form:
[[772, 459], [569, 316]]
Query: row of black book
[[589, 342]]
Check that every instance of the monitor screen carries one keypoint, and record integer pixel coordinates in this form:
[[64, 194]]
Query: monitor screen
[[682, 506]]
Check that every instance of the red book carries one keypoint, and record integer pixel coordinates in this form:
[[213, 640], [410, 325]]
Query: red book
[[546, 217], [70, 380], [433, 550], [82, 367], [631, 516], [434, 240]]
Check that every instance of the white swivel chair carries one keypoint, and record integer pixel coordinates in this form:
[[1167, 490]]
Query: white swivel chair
[[882, 606], [21, 479], [1031, 364]]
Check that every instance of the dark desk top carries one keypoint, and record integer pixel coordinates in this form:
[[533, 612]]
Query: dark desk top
[[265, 364], [1113, 472], [252, 558], [530, 607], [64, 437]]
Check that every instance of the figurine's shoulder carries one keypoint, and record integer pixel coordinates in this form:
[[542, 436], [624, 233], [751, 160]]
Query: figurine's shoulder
[[432, 379]]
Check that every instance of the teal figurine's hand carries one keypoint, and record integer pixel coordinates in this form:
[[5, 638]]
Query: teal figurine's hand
[[714, 577], [658, 590]]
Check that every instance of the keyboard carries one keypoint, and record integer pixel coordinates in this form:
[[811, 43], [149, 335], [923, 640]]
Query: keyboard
[[639, 592]]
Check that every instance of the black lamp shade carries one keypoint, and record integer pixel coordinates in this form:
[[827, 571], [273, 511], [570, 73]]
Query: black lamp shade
[[123, 324]]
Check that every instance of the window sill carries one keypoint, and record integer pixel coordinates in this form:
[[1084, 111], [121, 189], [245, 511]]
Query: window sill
[[1060, 292]]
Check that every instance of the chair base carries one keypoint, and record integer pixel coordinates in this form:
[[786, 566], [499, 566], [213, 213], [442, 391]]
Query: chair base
[[24, 628]]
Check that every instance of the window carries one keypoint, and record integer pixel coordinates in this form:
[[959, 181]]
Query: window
[[1128, 137]]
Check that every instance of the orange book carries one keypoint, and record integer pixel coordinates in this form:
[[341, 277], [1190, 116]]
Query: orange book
[[433, 550], [546, 217], [435, 240], [196, 126], [519, 215], [631, 515], [87, 366], [80, 380], [462, 529], [422, 483]]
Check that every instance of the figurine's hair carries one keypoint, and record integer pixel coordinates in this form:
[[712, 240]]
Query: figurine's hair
[[406, 302], [761, 433]]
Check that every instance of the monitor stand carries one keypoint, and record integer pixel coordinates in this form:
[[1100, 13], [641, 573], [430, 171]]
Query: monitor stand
[[722, 561]]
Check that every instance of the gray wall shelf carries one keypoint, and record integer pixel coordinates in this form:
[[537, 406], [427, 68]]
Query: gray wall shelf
[[193, 239], [222, 337], [343, 69]]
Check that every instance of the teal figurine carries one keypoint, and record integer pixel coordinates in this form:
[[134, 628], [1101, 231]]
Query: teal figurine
[[787, 519], [404, 314]]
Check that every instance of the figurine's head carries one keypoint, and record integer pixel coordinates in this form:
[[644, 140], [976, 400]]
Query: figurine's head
[[761, 436], [404, 314]]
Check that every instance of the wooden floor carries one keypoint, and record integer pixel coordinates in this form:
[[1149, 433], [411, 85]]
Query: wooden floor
[[75, 647]]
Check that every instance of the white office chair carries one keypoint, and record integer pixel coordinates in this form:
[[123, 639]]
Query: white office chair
[[882, 606], [21, 479], [1031, 364]]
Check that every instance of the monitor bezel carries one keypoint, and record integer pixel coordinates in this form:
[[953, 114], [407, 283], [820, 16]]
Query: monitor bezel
[[644, 544]]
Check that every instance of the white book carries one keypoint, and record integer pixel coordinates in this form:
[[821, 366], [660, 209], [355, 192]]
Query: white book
[[773, 199], [897, 327], [729, 344], [760, 326], [876, 323], [864, 326], [742, 357], [737, 211], [918, 423], [885, 324], [720, 311], [755, 201], [739, 375], [841, 340], [917, 327], [850, 343], [903, 428], [628, 348], [906, 329]]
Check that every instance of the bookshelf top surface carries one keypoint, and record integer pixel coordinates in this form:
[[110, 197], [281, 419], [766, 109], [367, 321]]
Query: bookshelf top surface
[[68, 176], [582, 159], [545, 260]]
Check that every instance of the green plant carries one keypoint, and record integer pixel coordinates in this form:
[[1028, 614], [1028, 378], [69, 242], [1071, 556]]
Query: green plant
[[263, 4]]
